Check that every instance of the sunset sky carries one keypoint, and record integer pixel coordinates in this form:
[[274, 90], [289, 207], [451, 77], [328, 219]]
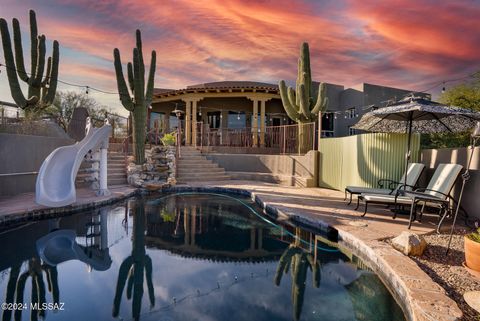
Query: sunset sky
[[411, 44]]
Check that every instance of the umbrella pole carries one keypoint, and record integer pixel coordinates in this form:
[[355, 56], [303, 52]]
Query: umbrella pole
[[407, 156], [465, 178]]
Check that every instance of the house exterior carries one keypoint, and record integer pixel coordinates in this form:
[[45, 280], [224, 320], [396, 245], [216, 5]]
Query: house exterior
[[256, 105]]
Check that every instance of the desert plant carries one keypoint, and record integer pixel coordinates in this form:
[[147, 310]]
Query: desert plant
[[301, 105], [168, 139], [41, 92], [474, 236], [297, 261], [135, 267], [138, 103]]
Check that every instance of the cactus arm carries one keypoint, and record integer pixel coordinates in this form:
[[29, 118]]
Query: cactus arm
[[306, 75], [45, 82], [304, 103], [138, 37], [139, 81], [122, 278], [20, 289], [130, 77], [53, 75], [15, 88], [122, 86], [47, 74], [33, 44], [151, 79], [130, 281], [322, 100], [17, 41], [148, 276], [287, 104], [40, 62]]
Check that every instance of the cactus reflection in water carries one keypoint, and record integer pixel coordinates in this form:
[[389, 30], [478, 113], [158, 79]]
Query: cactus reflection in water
[[297, 261], [133, 267], [16, 288]]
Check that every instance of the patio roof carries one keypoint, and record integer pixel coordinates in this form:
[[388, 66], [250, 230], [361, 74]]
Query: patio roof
[[219, 86]]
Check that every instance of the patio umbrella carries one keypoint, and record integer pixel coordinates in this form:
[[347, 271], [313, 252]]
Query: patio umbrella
[[417, 115]]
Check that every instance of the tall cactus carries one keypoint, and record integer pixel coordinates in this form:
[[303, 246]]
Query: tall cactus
[[135, 267], [41, 92], [138, 103], [303, 104]]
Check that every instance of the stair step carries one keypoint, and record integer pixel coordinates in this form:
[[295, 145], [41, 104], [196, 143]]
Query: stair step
[[200, 172], [188, 175], [203, 179]]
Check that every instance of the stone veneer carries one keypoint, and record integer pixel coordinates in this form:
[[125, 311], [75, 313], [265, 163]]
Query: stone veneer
[[157, 172]]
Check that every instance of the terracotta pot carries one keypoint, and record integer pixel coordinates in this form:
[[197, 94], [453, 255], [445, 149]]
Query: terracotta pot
[[472, 254]]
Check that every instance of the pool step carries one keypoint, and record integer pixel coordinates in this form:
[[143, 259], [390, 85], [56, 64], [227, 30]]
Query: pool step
[[192, 166], [116, 171]]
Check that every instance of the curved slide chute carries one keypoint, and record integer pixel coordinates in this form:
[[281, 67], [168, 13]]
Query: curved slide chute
[[55, 185]]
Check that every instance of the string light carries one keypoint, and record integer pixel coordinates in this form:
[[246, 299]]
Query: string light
[[86, 87]]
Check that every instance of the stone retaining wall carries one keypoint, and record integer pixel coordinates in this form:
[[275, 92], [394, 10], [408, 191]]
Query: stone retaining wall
[[157, 172]]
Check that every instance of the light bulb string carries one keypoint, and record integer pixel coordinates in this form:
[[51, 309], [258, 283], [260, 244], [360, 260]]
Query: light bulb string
[[86, 87]]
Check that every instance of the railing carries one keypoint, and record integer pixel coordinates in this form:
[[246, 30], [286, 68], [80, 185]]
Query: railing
[[177, 150], [282, 139], [10, 114]]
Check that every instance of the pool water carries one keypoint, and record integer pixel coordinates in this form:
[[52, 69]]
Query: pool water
[[183, 257]]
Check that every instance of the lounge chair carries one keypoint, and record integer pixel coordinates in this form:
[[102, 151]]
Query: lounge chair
[[436, 194], [388, 186]]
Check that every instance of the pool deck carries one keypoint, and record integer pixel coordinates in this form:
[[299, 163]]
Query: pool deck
[[422, 298]]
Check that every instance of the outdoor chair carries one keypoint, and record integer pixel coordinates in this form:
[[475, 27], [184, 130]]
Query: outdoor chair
[[388, 186], [436, 194]]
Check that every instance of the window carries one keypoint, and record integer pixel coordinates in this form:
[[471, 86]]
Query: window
[[350, 113], [236, 119], [351, 131]]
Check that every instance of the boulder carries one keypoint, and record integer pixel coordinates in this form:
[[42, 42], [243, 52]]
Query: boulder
[[409, 243]]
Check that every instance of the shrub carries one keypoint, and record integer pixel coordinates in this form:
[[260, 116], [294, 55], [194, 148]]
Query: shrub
[[475, 236], [168, 139]]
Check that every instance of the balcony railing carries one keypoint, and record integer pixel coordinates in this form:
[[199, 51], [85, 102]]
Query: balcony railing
[[279, 139]]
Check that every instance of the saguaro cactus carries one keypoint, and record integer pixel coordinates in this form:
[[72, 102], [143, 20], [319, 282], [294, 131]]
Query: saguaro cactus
[[301, 105], [135, 268], [41, 92], [141, 99]]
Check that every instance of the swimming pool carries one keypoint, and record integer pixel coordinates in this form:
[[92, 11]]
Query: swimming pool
[[185, 256]]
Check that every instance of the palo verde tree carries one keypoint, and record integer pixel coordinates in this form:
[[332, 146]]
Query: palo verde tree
[[41, 90], [304, 103], [138, 103]]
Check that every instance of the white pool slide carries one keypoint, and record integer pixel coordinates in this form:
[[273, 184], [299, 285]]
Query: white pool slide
[[55, 185]]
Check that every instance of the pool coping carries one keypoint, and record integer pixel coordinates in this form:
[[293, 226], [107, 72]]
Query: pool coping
[[419, 296]]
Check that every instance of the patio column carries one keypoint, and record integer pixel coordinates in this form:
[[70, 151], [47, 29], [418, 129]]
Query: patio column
[[262, 122], [188, 122], [194, 123], [255, 122]]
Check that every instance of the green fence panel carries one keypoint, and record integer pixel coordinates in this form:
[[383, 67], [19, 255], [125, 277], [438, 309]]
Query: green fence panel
[[361, 160]]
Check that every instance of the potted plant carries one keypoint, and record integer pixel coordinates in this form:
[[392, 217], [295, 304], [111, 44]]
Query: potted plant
[[472, 250]]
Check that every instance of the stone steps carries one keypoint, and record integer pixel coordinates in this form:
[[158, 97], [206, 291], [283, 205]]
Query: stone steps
[[192, 166], [116, 171]]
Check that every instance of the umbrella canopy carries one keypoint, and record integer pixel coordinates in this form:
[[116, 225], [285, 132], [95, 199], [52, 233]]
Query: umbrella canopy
[[418, 115], [423, 115]]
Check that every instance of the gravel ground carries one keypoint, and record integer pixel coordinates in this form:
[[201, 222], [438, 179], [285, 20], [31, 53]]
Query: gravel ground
[[448, 271]]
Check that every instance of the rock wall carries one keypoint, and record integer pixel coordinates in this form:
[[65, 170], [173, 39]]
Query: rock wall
[[157, 172]]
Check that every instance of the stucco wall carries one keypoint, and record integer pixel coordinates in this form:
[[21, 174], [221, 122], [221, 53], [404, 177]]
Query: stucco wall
[[21, 154], [285, 169], [432, 157]]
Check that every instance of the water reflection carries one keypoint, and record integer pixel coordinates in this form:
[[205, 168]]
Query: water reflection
[[134, 266], [197, 256], [297, 260]]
